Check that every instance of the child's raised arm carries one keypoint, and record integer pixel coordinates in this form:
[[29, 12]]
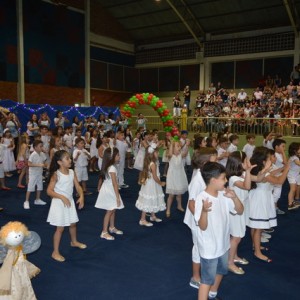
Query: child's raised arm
[[278, 180], [238, 205], [246, 184], [51, 193], [170, 151], [186, 150], [206, 208]]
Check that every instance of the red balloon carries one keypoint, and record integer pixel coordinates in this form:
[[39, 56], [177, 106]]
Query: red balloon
[[166, 112], [159, 103]]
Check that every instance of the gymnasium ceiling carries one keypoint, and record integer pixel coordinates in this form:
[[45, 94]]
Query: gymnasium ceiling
[[149, 21]]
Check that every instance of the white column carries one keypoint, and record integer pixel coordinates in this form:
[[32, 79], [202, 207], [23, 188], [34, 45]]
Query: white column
[[87, 90], [20, 50]]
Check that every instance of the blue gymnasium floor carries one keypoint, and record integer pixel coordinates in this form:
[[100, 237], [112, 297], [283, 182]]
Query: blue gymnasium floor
[[147, 263]]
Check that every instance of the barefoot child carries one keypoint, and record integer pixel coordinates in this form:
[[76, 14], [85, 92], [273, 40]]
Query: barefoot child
[[62, 211], [262, 212], [151, 196], [109, 197]]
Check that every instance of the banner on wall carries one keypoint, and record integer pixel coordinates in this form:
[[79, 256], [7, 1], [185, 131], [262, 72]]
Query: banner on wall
[[25, 111]]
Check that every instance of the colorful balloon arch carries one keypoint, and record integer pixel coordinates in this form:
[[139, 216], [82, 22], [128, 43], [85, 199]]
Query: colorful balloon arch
[[157, 105]]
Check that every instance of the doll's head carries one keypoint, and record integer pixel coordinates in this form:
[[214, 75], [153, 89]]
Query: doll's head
[[12, 234]]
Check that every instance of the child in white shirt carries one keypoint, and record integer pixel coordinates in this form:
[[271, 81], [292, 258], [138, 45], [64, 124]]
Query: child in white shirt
[[196, 186], [212, 209], [68, 139], [222, 151], [36, 163], [81, 157], [234, 141], [249, 147], [122, 146]]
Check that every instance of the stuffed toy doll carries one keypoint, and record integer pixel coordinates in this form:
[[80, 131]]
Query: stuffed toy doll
[[16, 271]]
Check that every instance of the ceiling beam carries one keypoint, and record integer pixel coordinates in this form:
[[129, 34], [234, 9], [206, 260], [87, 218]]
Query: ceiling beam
[[291, 17], [185, 22]]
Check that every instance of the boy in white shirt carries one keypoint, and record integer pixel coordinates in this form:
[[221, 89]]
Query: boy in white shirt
[[36, 163], [234, 141], [222, 151], [81, 159], [212, 209], [268, 139], [122, 146], [45, 138], [249, 147], [77, 135], [68, 139]]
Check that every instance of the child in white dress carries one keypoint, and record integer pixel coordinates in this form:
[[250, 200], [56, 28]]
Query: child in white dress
[[165, 158], [139, 159], [136, 144], [94, 151], [9, 163], [294, 175], [109, 197], [177, 183], [239, 178], [262, 212], [62, 211], [151, 196]]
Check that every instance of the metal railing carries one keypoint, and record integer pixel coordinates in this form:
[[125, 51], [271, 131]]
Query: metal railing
[[283, 126]]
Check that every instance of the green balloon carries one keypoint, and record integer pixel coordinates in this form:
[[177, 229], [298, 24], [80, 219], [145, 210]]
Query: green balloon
[[145, 96]]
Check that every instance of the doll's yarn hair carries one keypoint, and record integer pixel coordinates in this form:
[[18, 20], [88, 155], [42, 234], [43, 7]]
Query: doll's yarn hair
[[12, 226]]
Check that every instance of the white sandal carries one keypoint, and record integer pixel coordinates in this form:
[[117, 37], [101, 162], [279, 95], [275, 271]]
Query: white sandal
[[106, 236], [145, 223], [116, 231]]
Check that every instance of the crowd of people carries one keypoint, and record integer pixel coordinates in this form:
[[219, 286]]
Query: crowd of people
[[228, 187], [271, 106]]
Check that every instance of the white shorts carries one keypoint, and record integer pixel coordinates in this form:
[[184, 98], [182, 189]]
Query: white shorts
[[1, 171], [81, 173], [294, 179], [35, 181]]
